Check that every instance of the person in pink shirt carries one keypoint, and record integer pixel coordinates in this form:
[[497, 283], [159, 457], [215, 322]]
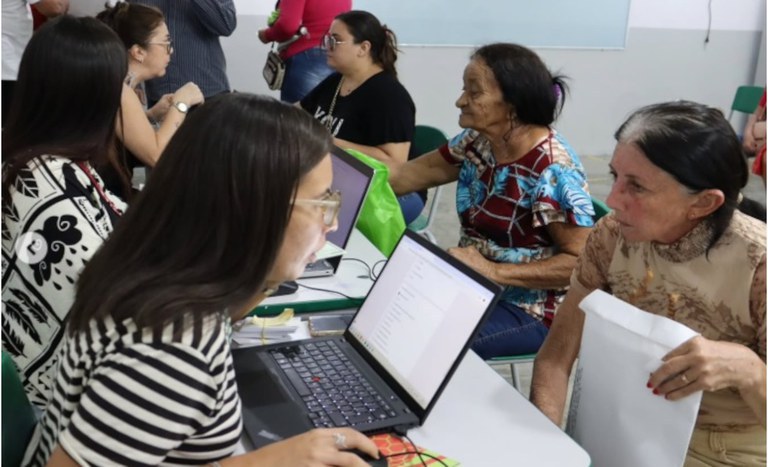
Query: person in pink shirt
[[305, 60]]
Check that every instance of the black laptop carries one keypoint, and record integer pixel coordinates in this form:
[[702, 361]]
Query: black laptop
[[391, 364], [353, 179]]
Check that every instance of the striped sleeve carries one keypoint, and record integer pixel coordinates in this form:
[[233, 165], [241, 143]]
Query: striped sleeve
[[142, 403]]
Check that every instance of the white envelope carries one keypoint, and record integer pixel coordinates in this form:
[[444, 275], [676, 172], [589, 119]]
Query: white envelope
[[613, 415]]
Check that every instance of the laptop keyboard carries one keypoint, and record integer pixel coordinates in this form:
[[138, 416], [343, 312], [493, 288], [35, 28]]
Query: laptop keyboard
[[333, 390]]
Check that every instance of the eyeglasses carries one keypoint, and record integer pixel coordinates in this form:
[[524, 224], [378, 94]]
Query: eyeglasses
[[168, 45], [330, 42], [329, 205]]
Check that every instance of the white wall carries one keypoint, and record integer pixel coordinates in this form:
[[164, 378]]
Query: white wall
[[665, 59]]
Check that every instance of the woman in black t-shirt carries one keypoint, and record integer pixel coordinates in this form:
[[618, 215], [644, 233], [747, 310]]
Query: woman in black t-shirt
[[363, 104]]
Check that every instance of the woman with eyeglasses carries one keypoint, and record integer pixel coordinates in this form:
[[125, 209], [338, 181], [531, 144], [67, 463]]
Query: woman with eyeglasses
[[305, 64], [363, 104], [147, 376], [143, 131]]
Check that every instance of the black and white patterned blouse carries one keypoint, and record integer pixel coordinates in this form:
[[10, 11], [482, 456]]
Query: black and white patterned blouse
[[56, 220]]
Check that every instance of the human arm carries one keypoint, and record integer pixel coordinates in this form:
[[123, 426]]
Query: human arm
[[754, 130], [426, 171], [709, 365], [548, 273], [161, 108], [52, 8], [138, 135], [287, 23], [391, 154], [554, 361], [217, 16], [313, 448]]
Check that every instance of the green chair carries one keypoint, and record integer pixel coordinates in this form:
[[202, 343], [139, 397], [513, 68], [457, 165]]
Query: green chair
[[18, 416], [426, 139], [746, 99], [513, 360], [600, 207]]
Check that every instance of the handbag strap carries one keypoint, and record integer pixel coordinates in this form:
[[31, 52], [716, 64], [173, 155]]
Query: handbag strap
[[86, 169]]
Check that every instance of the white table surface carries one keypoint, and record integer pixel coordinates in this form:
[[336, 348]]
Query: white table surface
[[481, 420], [347, 279]]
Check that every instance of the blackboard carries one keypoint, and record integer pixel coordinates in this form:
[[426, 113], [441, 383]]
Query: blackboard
[[533, 23]]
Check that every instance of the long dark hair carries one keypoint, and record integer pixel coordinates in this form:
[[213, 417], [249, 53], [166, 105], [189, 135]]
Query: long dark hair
[[535, 94], [365, 27], [67, 95], [202, 236], [697, 146], [134, 23]]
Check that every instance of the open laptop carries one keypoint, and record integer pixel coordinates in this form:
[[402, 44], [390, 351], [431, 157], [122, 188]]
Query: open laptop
[[390, 366], [352, 178]]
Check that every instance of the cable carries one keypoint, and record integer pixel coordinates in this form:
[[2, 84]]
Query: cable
[[403, 433], [709, 22], [326, 290], [419, 453], [368, 274], [373, 268]]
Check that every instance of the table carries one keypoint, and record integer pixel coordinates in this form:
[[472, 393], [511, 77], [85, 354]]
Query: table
[[481, 420], [347, 281]]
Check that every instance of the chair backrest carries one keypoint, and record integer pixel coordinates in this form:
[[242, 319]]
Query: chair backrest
[[600, 208], [425, 139], [18, 418], [746, 99]]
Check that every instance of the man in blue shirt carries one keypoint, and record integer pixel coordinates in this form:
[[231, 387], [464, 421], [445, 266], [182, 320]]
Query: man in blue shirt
[[195, 27]]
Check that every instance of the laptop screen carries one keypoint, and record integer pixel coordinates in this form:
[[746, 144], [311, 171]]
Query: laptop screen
[[419, 317], [351, 177]]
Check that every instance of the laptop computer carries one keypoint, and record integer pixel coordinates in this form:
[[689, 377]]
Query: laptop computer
[[388, 368], [352, 178]]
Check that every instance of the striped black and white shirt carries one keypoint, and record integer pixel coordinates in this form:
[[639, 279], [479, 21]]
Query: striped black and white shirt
[[132, 396]]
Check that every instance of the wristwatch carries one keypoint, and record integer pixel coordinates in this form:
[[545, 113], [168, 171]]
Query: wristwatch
[[181, 107]]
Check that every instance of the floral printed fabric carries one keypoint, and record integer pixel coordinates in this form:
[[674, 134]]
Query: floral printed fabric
[[53, 224], [504, 209]]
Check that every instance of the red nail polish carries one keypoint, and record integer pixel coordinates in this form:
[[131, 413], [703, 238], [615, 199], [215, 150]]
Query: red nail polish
[[648, 385], [656, 392]]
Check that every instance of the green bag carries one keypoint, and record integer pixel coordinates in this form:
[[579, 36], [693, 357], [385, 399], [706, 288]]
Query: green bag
[[381, 219]]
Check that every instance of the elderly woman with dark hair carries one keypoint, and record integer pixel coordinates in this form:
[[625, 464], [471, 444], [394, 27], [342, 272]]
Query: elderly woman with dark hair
[[521, 197], [676, 246]]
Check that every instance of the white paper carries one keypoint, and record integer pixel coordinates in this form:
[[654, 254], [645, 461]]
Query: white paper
[[613, 415]]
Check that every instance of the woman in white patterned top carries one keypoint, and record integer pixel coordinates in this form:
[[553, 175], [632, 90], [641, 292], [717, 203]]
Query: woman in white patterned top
[[55, 213], [239, 203]]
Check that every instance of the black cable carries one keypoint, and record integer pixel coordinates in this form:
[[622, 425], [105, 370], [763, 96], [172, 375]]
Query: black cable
[[403, 433], [373, 268], [406, 453], [369, 274], [709, 22], [326, 290]]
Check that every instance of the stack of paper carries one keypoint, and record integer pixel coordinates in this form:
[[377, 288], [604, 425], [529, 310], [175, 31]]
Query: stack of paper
[[253, 330]]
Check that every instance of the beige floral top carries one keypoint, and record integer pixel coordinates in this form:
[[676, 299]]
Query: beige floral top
[[720, 294]]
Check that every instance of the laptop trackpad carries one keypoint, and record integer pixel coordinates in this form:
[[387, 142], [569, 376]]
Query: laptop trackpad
[[269, 413]]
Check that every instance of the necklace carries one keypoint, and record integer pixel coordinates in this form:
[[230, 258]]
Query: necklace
[[329, 118]]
